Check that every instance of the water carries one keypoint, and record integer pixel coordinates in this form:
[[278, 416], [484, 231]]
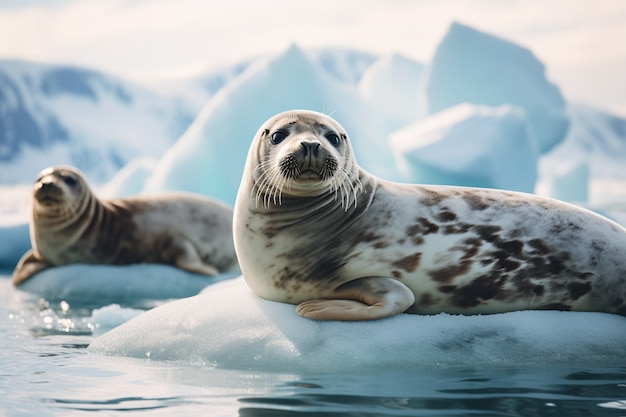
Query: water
[[46, 370]]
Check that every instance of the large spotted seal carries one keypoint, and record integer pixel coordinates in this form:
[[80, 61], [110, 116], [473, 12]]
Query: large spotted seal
[[69, 225], [312, 228]]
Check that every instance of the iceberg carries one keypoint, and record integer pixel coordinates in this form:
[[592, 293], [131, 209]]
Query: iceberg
[[474, 67], [469, 145], [209, 158], [391, 88], [572, 184]]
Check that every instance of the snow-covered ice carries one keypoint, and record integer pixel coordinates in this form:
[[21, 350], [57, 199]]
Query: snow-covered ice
[[100, 285], [227, 326]]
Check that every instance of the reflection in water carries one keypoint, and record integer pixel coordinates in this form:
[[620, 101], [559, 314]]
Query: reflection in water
[[544, 392], [45, 369]]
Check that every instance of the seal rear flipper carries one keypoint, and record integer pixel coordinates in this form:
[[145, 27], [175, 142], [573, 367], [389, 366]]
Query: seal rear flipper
[[183, 254], [360, 300], [28, 266]]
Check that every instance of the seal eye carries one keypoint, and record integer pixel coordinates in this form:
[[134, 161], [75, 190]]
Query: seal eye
[[70, 180], [334, 139], [278, 137]]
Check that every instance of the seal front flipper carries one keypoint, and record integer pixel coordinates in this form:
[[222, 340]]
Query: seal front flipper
[[361, 299], [28, 266]]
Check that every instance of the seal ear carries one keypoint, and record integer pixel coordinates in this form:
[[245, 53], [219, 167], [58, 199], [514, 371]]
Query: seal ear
[[265, 132]]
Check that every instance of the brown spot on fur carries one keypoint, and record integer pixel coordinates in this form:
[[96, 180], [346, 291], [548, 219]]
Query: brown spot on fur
[[428, 226], [448, 273], [480, 289], [457, 228], [446, 216], [408, 263], [487, 232], [426, 300], [578, 289], [508, 264], [539, 246], [396, 274], [447, 288], [414, 233], [513, 247], [381, 245], [432, 198], [475, 202]]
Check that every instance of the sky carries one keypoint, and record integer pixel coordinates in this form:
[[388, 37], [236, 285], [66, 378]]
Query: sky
[[581, 42]]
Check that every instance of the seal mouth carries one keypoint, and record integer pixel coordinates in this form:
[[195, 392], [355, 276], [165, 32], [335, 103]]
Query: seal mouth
[[308, 175], [48, 195]]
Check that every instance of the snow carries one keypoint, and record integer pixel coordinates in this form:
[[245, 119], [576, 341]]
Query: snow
[[227, 326], [475, 67], [469, 145]]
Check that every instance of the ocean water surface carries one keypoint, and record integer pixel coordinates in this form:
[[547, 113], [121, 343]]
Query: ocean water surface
[[47, 370]]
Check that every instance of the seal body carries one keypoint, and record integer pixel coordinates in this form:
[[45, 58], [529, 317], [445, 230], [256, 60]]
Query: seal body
[[69, 225], [312, 228]]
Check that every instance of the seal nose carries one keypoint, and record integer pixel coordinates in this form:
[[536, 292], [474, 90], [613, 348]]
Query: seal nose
[[46, 186], [309, 148]]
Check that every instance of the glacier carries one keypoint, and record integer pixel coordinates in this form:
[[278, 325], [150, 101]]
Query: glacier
[[57, 115], [475, 67]]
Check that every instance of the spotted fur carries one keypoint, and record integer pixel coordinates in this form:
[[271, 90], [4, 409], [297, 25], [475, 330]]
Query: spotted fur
[[458, 250]]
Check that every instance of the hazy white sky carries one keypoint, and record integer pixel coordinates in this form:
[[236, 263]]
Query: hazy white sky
[[582, 42]]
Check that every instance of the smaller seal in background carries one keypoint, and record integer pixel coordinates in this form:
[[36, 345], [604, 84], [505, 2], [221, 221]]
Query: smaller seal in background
[[70, 225]]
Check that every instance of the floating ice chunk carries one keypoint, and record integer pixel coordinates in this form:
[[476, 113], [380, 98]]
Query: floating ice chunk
[[469, 145], [471, 66], [108, 317], [99, 285], [230, 327], [14, 242]]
